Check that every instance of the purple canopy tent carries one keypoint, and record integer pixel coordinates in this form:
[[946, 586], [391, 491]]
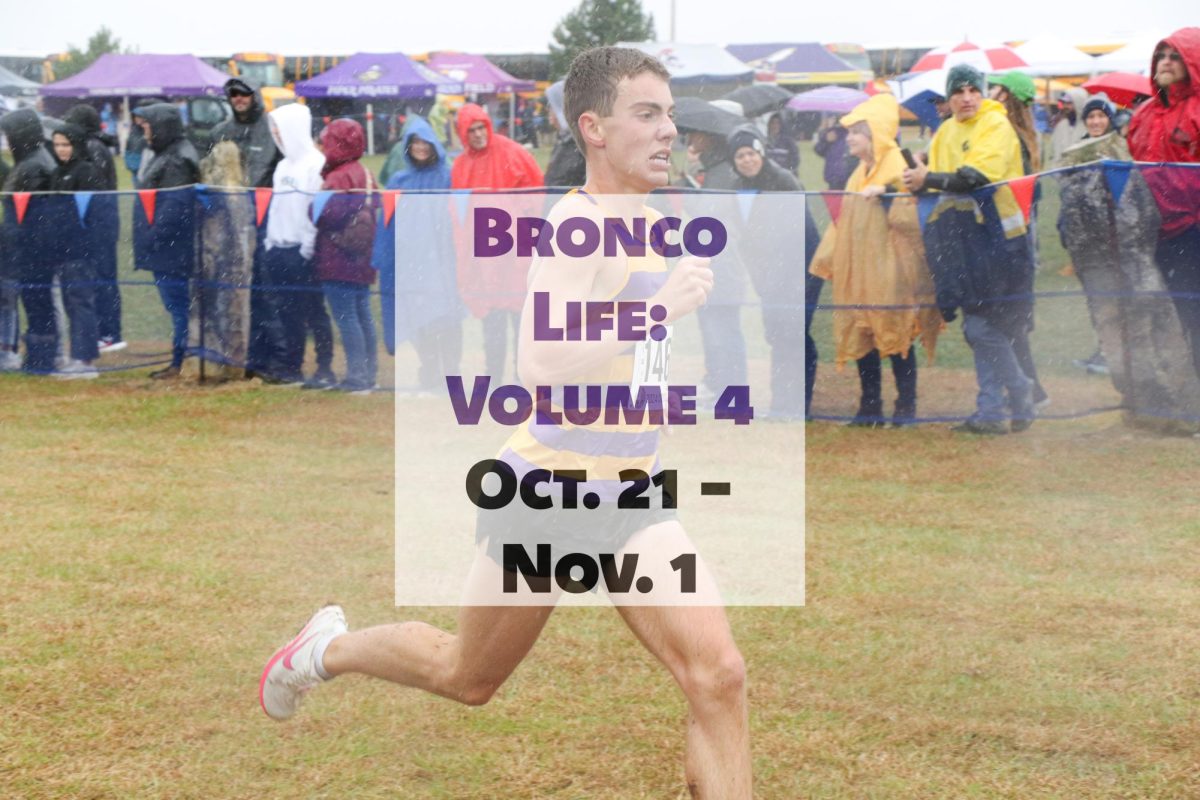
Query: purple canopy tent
[[379, 75], [141, 75], [480, 76], [371, 76], [828, 98], [476, 73]]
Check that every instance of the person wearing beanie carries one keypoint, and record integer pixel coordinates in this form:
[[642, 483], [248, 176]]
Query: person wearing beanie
[[772, 262], [1112, 243], [874, 256], [978, 251]]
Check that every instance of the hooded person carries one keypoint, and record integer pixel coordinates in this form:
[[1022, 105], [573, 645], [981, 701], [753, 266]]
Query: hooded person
[[73, 248], [220, 312], [776, 251], [249, 130], [165, 244], [875, 258], [976, 247], [25, 257], [567, 166], [417, 282], [1112, 241], [103, 211], [1166, 128], [720, 318], [496, 294], [290, 244], [831, 146], [1070, 128], [345, 235], [781, 147]]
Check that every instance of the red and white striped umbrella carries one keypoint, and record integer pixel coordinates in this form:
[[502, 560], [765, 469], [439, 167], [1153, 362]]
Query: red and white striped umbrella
[[997, 58]]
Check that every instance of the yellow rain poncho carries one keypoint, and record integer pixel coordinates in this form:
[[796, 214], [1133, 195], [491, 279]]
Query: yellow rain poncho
[[874, 255]]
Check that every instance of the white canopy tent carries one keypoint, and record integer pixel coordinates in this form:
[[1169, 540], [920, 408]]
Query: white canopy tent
[[1051, 57], [1133, 57]]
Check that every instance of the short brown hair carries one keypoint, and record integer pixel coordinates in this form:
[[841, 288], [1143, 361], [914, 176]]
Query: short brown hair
[[591, 83]]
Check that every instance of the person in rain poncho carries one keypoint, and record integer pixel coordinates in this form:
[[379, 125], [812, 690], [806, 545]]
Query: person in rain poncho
[[495, 295], [166, 245], [289, 247], [418, 281], [776, 251], [1167, 128], [220, 313], [874, 256], [976, 248], [1112, 244]]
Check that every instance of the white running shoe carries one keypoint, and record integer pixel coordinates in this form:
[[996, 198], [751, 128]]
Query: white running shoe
[[108, 345], [9, 361], [292, 671]]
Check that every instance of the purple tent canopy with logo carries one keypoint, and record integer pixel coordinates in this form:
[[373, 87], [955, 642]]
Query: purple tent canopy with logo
[[371, 76], [477, 74], [140, 75]]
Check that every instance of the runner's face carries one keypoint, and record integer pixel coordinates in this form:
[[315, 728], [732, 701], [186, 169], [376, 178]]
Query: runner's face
[[1097, 123], [964, 103], [639, 131]]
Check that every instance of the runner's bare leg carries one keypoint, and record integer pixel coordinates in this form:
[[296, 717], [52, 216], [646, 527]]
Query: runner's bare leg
[[696, 644], [468, 666]]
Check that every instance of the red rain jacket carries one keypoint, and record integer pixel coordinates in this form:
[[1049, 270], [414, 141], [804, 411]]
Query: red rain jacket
[[1167, 128], [494, 283], [344, 143]]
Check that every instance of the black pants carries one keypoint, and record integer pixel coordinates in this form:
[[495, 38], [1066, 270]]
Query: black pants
[[108, 292], [78, 280], [495, 341], [298, 305], [41, 335], [1179, 260], [265, 350], [439, 346], [870, 378]]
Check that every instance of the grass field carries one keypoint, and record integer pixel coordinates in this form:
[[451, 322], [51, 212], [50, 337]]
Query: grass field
[[1002, 618]]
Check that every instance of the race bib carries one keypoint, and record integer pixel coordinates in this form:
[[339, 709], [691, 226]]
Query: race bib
[[651, 363]]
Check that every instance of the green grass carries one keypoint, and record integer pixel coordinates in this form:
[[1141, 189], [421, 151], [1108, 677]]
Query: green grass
[[1001, 618]]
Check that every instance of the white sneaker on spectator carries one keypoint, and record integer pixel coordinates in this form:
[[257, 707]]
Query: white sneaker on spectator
[[9, 361], [76, 371], [292, 670], [108, 345]]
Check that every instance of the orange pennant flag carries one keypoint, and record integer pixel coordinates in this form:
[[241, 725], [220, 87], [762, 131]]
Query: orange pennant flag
[[148, 197], [21, 201], [389, 204], [262, 200], [1022, 189]]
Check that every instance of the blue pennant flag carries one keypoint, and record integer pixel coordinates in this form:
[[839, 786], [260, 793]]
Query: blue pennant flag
[[1116, 173], [925, 206], [203, 196], [886, 202], [745, 200], [82, 199], [462, 198], [318, 205]]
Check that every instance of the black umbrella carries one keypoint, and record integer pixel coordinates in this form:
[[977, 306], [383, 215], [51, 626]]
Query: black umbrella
[[759, 98], [694, 114]]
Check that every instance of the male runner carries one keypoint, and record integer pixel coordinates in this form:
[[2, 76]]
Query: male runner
[[619, 107]]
